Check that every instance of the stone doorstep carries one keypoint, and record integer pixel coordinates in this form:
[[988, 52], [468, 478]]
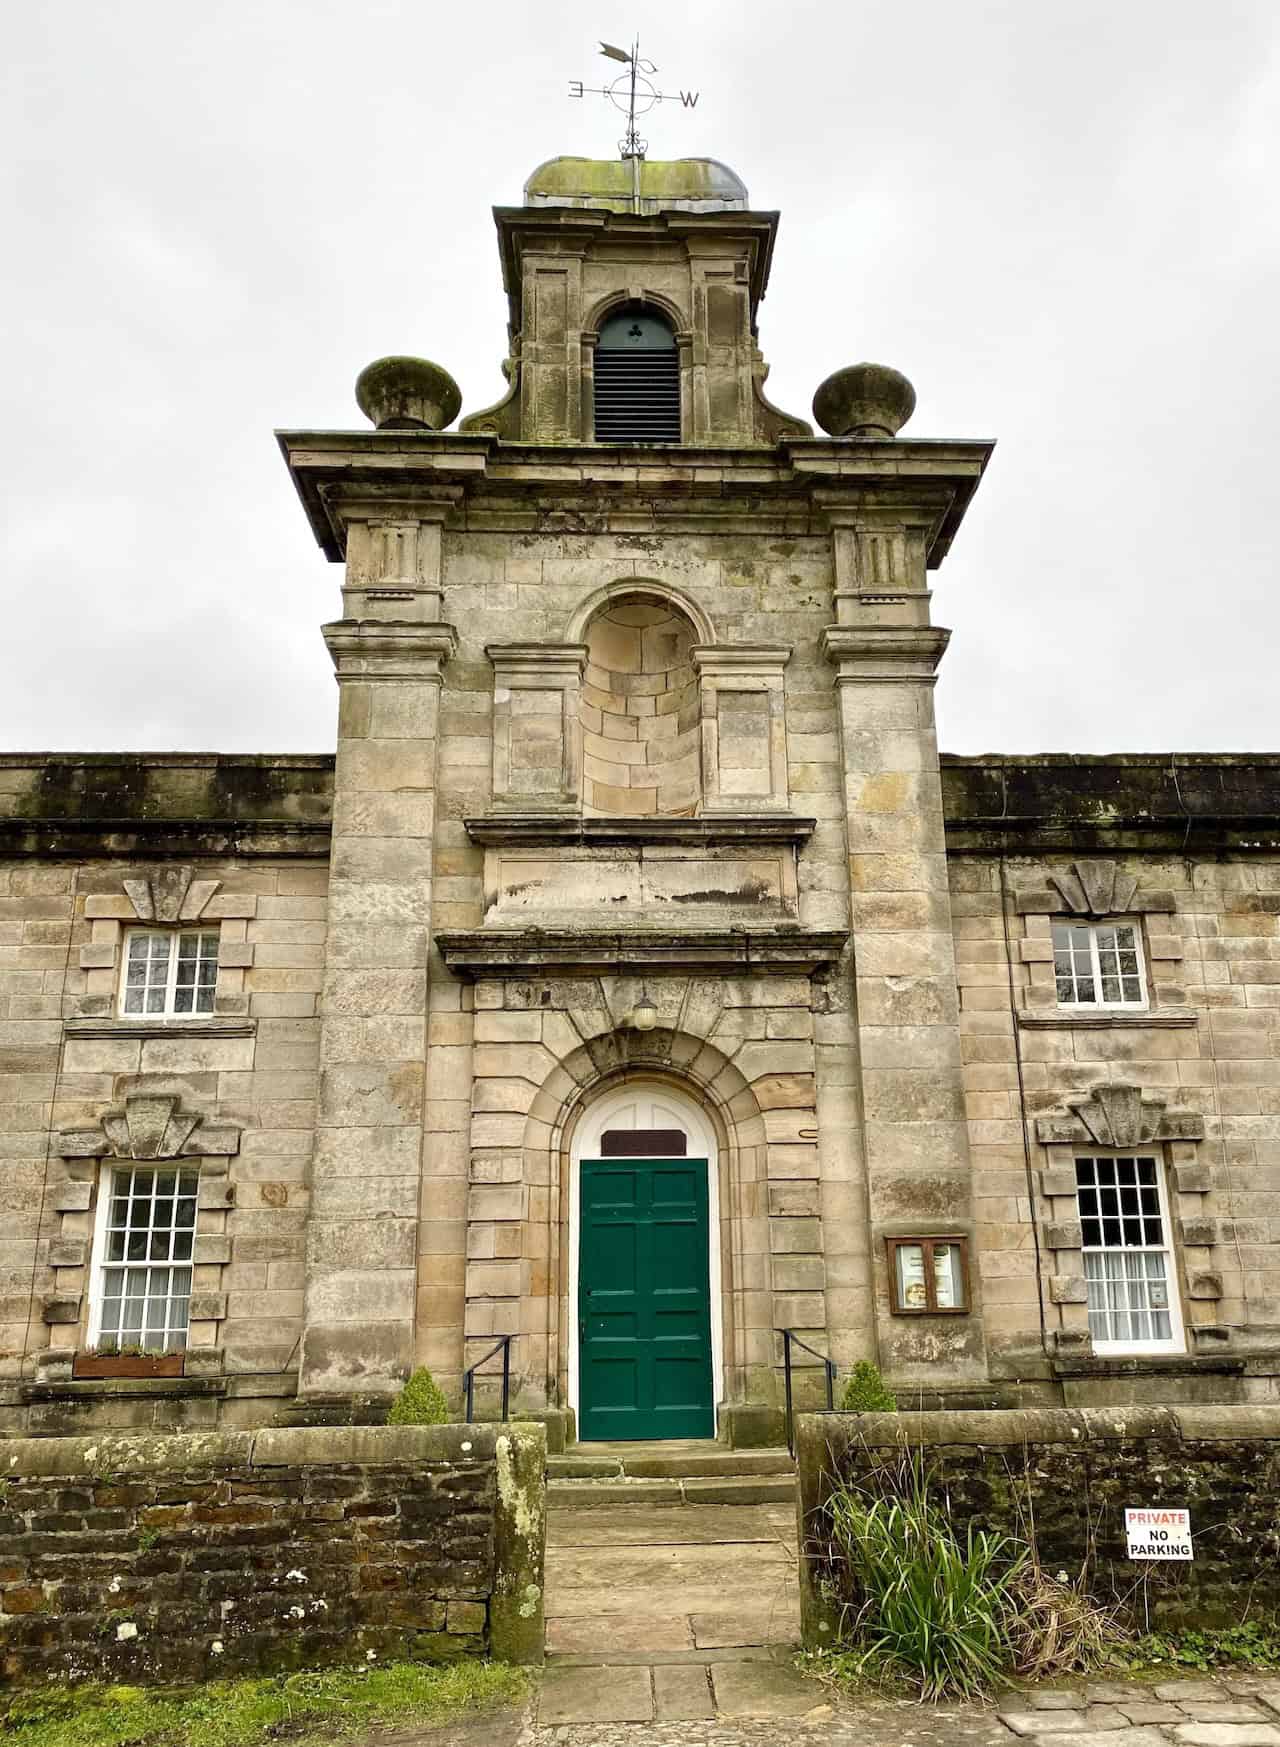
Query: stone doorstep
[[619, 1492], [666, 1461]]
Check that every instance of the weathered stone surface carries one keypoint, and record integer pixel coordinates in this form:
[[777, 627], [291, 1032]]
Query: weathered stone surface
[[675, 742], [1053, 1458], [278, 1548], [595, 1695]]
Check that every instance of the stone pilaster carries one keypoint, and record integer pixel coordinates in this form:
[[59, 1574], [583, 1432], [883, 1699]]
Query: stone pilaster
[[362, 1236], [908, 1039], [537, 750]]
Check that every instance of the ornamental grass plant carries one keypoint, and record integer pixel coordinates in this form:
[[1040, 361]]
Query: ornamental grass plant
[[950, 1613], [921, 1603]]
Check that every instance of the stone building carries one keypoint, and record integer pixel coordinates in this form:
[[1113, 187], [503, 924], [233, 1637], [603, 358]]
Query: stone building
[[635, 979]]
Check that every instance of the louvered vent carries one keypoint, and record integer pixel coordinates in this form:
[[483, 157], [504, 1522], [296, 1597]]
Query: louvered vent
[[637, 381], [637, 397]]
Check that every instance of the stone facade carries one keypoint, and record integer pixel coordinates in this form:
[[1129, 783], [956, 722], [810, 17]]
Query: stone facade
[[636, 786]]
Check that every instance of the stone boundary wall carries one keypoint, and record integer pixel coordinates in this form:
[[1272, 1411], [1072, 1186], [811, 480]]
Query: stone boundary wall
[[1073, 1473], [139, 1559]]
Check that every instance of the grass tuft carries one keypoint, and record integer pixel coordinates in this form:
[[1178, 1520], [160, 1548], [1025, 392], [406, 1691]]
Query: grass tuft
[[922, 1604], [950, 1614], [865, 1392], [250, 1712]]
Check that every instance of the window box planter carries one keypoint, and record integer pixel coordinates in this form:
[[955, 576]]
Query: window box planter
[[127, 1365]]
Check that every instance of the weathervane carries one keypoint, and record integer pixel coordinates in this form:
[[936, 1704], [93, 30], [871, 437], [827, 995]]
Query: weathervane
[[633, 93]]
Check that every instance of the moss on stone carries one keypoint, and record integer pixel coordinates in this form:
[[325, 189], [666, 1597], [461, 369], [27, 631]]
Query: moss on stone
[[608, 181]]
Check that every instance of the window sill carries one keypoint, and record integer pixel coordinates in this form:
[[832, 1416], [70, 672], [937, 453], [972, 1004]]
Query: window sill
[[154, 1025], [1082, 1019], [92, 1388], [1149, 1365]]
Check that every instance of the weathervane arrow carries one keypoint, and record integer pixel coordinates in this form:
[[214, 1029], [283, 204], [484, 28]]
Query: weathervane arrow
[[633, 93]]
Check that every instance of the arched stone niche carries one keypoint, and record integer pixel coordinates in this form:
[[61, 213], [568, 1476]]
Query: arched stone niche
[[639, 713]]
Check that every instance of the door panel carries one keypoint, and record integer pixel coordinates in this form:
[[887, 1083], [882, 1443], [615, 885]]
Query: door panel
[[644, 1300]]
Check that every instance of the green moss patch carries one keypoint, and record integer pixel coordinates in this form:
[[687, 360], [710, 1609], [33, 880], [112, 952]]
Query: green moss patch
[[246, 1713]]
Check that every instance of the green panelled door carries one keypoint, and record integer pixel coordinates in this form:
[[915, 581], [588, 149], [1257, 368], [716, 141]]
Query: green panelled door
[[644, 1300]]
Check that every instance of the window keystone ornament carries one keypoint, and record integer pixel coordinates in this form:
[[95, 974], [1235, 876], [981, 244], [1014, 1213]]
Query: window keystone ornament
[[1092, 888], [171, 895], [150, 1127], [1118, 1116]]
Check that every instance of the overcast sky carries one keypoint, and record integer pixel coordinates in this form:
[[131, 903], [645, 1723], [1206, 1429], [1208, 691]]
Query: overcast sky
[[1060, 220]]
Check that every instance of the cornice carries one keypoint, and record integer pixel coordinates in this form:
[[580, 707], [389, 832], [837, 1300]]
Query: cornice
[[570, 229], [347, 473], [523, 952], [373, 649], [523, 829], [162, 839], [873, 654]]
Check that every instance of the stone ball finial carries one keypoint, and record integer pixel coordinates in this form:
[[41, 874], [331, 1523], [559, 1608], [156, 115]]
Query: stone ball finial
[[870, 401], [400, 394]]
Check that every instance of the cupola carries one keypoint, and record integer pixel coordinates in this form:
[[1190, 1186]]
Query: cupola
[[633, 288]]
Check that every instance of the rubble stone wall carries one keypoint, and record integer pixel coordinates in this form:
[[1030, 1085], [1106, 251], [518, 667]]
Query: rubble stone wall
[[141, 1559], [1067, 1478]]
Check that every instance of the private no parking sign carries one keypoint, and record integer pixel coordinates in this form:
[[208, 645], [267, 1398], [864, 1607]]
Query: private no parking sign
[[1158, 1534]]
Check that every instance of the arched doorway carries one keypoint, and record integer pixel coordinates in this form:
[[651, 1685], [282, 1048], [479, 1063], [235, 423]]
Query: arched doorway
[[644, 1269]]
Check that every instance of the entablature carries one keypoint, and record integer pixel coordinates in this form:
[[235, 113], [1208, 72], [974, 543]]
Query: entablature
[[793, 487], [512, 952]]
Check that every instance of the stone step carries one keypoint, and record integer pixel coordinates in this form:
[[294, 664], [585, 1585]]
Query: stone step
[[622, 1490], [667, 1658], [665, 1461]]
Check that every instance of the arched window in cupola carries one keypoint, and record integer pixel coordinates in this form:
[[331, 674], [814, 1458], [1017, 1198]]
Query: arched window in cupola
[[637, 380]]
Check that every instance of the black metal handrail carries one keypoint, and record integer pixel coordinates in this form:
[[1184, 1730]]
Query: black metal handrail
[[469, 1377], [790, 1338]]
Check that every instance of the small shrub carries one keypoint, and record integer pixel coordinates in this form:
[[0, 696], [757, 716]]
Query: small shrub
[[864, 1391], [420, 1402]]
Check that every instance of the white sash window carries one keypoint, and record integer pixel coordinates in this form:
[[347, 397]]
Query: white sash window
[[1128, 1263], [145, 1239]]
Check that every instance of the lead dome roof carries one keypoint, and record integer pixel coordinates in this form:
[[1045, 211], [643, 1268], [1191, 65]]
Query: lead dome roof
[[671, 185]]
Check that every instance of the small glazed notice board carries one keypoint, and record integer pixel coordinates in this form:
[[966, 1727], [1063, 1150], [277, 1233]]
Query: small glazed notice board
[[1158, 1534]]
